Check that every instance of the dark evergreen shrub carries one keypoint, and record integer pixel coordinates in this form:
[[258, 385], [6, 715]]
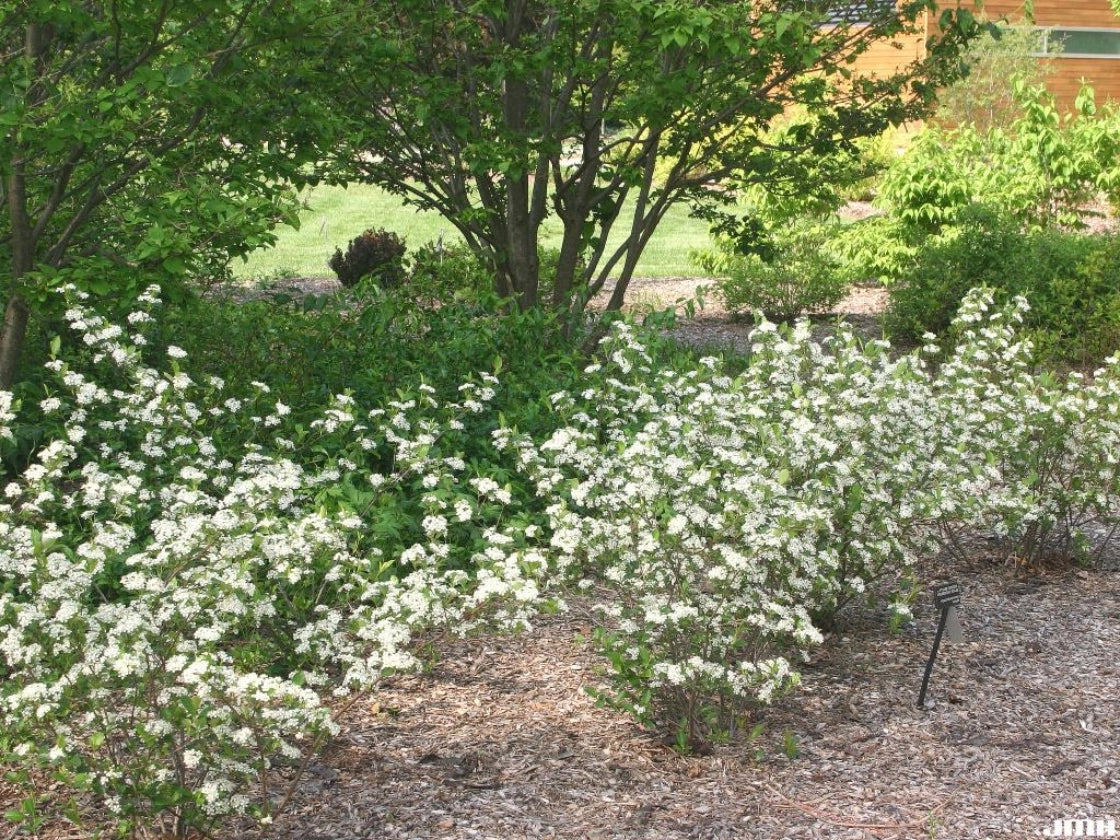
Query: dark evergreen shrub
[[376, 253]]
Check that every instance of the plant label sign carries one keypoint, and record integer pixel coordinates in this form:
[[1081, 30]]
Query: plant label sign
[[946, 597]]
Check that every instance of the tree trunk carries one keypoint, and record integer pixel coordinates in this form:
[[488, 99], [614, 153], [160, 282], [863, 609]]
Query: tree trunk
[[575, 215], [567, 264], [645, 221], [16, 313], [524, 264], [11, 339], [521, 234]]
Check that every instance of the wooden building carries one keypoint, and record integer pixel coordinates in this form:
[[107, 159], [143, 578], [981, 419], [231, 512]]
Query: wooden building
[[1088, 31], [1089, 34]]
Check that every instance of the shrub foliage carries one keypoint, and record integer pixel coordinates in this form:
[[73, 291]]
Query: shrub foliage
[[375, 253], [792, 272]]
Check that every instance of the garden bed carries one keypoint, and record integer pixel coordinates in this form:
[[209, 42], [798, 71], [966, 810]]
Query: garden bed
[[500, 739], [713, 328]]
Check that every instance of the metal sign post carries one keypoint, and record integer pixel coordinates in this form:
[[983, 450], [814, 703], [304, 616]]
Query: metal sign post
[[946, 597]]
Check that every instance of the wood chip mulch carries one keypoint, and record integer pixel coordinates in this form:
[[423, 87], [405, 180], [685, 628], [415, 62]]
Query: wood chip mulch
[[499, 739]]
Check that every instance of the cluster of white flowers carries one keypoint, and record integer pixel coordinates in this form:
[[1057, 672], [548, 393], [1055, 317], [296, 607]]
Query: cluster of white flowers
[[8, 409], [725, 515], [1037, 458], [178, 609]]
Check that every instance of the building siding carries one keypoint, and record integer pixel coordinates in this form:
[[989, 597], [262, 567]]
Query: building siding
[[1068, 72], [1103, 74], [887, 57], [1056, 12]]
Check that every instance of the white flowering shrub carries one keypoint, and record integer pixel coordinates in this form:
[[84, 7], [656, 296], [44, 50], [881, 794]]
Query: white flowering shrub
[[723, 520], [1034, 459], [193, 583], [184, 607], [722, 514], [1078, 466]]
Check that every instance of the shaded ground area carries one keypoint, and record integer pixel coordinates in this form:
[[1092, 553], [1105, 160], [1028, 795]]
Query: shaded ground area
[[714, 329]]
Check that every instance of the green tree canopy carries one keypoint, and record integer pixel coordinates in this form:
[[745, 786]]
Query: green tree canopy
[[500, 113], [145, 141]]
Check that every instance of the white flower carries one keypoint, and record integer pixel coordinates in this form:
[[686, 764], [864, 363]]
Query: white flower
[[434, 526], [463, 510], [194, 672]]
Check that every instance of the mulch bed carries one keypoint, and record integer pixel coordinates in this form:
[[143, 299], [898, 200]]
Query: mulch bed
[[499, 739]]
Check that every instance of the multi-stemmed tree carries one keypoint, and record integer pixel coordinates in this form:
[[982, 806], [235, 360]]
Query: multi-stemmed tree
[[143, 141], [605, 113]]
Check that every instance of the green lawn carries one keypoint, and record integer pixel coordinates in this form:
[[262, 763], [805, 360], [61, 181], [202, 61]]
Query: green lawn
[[335, 215]]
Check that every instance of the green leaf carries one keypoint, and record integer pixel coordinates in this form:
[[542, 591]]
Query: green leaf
[[179, 75]]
